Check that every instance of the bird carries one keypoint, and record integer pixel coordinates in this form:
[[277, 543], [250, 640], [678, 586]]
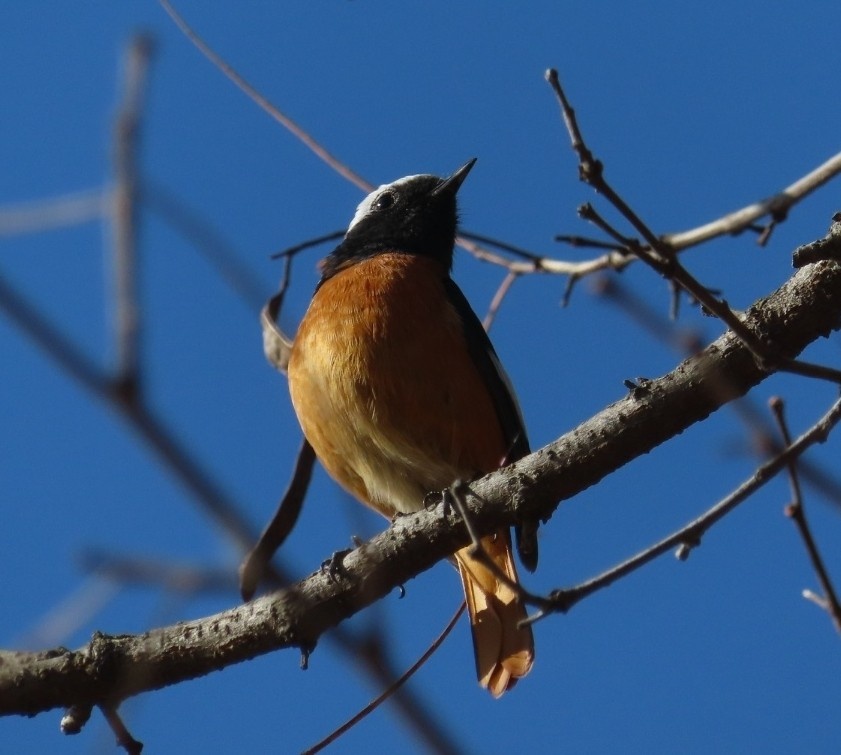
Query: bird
[[399, 391]]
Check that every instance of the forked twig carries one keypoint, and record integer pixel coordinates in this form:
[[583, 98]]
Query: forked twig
[[662, 258], [797, 513], [689, 536]]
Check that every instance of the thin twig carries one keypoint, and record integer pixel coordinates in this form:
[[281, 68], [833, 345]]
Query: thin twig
[[517, 251], [277, 530], [391, 689], [811, 370], [797, 513], [691, 534], [283, 119], [828, 247], [585, 242], [209, 241], [661, 257], [123, 735], [496, 302], [144, 571], [657, 254], [56, 212], [455, 495], [739, 220], [291, 251]]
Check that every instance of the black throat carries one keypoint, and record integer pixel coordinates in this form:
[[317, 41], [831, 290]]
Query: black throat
[[410, 216]]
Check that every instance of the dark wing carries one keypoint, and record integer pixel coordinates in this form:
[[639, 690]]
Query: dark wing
[[507, 409]]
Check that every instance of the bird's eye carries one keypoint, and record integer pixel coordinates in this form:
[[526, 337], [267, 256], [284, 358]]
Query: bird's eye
[[385, 200]]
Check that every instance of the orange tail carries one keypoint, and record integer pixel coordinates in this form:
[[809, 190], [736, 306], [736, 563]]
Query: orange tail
[[504, 652]]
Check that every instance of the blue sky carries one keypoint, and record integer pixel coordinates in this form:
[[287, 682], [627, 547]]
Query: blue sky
[[695, 111]]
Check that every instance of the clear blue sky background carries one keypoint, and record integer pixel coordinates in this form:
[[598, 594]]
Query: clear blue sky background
[[696, 112]]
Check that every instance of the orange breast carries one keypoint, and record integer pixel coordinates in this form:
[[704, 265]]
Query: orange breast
[[384, 387]]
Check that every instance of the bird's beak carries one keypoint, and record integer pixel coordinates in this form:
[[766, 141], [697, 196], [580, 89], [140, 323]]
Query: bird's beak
[[454, 182]]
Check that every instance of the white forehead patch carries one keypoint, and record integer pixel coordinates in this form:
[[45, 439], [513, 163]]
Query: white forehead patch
[[366, 204]]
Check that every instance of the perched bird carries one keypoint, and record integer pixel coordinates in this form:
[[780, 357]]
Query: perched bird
[[400, 392]]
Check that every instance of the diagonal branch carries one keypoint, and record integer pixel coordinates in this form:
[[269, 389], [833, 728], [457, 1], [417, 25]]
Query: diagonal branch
[[284, 120], [124, 216], [110, 669]]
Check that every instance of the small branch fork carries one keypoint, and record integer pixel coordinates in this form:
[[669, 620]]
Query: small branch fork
[[763, 438], [684, 539], [796, 512], [776, 207], [661, 257]]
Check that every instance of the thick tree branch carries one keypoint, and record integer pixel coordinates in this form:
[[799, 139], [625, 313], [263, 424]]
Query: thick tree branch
[[110, 669]]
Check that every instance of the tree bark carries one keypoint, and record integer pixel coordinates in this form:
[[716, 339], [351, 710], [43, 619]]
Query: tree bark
[[112, 668]]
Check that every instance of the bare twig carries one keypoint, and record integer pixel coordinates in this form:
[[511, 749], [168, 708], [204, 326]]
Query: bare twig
[[209, 241], [661, 257], [777, 205], [391, 689], [308, 244], [517, 251], [277, 530], [691, 534], [585, 242], [283, 119], [797, 513], [123, 735], [140, 571], [689, 342], [496, 302], [57, 212], [456, 495]]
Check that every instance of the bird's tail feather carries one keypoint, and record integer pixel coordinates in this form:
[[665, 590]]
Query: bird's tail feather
[[504, 651]]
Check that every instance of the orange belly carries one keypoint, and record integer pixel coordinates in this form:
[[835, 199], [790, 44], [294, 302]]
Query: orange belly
[[384, 386]]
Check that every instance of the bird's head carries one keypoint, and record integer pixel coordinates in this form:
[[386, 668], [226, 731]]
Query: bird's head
[[412, 215]]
